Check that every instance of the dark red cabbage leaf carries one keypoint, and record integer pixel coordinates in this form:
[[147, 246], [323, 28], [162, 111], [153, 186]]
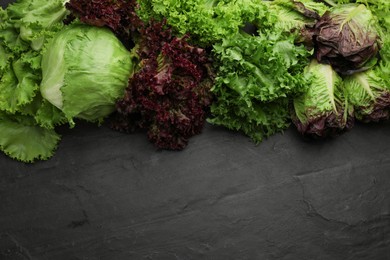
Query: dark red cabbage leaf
[[170, 94]]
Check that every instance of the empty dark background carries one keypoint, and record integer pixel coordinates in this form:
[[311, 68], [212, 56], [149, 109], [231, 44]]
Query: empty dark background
[[107, 195]]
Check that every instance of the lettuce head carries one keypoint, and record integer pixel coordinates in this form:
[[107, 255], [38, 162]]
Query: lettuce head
[[85, 69], [346, 37], [323, 109], [369, 93]]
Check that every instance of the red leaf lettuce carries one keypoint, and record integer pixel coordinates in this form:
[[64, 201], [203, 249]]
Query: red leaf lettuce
[[169, 95]]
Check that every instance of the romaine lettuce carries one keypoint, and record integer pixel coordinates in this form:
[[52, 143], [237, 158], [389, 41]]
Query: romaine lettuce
[[323, 110], [347, 38], [369, 93]]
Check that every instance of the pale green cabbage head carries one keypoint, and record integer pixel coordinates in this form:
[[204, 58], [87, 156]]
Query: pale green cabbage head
[[85, 69]]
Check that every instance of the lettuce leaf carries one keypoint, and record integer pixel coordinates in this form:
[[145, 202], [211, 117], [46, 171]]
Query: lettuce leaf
[[260, 71], [369, 92], [27, 122], [207, 21], [256, 77], [36, 18], [346, 37], [19, 83], [22, 139]]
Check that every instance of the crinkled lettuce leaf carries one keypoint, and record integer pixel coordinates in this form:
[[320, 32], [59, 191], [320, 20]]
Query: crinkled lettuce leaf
[[256, 77], [384, 52], [36, 18], [264, 67], [19, 83], [210, 21], [22, 139], [259, 72], [257, 120], [26, 121]]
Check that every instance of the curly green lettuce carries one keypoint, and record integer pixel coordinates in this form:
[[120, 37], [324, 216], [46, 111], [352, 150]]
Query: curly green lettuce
[[35, 19], [259, 72], [256, 77], [207, 21], [27, 122], [22, 139]]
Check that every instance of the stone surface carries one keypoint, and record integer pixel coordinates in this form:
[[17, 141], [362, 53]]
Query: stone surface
[[107, 195]]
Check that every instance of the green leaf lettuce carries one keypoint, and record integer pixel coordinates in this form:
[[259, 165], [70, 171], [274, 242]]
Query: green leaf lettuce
[[26, 121]]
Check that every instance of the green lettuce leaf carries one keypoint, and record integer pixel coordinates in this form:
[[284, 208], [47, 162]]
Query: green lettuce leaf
[[19, 83], [257, 120], [256, 77], [27, 122], [265, 67], [23, 140], [36, 18], [207, 21]]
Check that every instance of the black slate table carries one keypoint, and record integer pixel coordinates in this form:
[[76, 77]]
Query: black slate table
[[108, 195]]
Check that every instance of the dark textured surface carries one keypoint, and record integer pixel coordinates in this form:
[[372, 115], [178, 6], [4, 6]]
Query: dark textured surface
[[107, 195]]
